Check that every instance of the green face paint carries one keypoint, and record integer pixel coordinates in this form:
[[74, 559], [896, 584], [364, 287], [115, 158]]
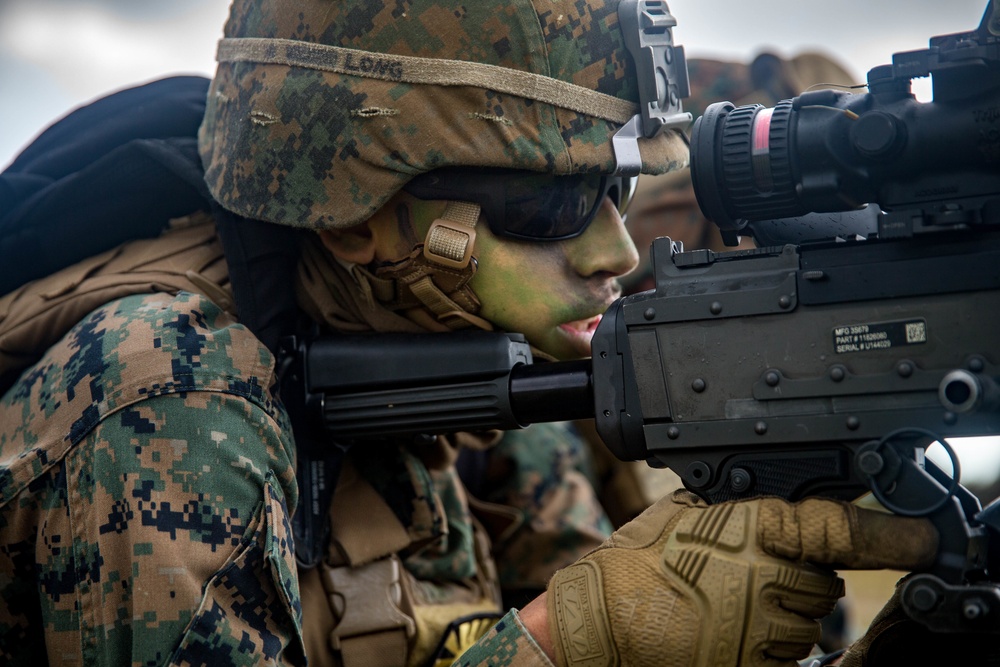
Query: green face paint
[[553, 292]]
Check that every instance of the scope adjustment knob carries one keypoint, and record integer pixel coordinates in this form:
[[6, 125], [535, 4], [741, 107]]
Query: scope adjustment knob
[[876, 135]]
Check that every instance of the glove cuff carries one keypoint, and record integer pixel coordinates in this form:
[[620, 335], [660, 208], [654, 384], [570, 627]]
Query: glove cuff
[[578, 619]]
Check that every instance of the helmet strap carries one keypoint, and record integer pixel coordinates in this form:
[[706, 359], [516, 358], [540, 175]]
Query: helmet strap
[[450, 239], [435, 276]]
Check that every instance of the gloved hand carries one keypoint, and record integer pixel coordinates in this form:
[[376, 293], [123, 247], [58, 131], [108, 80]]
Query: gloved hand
[[894, 639], [689, 584]]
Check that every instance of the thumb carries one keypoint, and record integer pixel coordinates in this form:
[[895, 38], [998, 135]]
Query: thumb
[[840, 534]]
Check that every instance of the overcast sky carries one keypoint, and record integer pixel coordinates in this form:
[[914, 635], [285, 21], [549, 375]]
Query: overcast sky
[[56, 54]]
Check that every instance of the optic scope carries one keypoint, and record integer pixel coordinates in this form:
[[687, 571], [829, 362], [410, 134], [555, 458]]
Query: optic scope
[[925, 165]]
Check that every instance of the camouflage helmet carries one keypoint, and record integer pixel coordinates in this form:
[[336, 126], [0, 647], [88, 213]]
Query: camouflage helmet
[[321, 110]]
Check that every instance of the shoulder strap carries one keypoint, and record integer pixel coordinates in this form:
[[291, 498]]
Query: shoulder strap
[[262, 260]]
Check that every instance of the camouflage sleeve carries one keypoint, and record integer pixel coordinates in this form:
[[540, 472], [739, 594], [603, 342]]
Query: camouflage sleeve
[[507, 644], [187, 529], [154, 529], [544, 474]]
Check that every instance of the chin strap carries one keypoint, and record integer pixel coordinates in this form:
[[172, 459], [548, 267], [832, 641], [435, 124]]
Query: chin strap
[[452, 237], [435, 276]]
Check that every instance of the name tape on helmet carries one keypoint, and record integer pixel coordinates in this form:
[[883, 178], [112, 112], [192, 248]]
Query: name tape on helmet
[[433, 71]]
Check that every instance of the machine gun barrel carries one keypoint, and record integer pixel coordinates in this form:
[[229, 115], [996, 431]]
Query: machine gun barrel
[[371, 387]]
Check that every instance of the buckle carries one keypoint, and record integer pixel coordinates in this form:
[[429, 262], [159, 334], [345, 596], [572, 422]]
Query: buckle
[[367, 600], [450, 243]]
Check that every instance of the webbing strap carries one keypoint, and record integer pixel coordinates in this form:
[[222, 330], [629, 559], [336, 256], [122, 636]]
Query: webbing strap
[[383, 290], [462, 212], [435, 276], [433, 71], [448, 312], [452, 236], [436, 300]]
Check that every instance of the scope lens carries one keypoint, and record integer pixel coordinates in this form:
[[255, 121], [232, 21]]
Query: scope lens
[[741, 163]]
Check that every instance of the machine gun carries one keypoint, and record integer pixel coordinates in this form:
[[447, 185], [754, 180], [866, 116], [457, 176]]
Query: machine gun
[[821, 364]]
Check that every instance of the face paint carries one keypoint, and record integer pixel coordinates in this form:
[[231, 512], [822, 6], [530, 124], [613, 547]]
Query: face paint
[[553, 292]]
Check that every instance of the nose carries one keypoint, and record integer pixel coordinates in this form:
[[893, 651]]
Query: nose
[[605, 248]]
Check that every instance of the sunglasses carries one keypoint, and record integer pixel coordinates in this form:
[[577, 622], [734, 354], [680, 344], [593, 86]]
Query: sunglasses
[[527, 205]]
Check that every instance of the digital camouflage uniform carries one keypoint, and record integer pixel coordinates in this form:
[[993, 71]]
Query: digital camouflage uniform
[[146, 468], [120, 498], [147, 478]]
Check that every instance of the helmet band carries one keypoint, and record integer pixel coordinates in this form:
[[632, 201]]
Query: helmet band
[[430, 71]]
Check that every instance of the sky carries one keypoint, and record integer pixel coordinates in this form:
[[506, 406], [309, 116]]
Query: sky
[[58, 54]]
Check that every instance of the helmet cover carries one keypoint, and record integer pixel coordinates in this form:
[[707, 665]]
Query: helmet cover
[[322, 110]]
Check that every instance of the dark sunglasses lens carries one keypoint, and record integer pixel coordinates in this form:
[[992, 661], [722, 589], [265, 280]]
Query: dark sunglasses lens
[[551, 208]]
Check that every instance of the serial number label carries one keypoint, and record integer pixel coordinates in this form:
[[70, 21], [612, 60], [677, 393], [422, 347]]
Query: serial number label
[[881, 336]]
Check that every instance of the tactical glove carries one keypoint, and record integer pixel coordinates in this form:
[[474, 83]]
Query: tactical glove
[[689, 584], [894, 639]]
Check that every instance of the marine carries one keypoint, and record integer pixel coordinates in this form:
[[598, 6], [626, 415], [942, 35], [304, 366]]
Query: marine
[[152, 475]]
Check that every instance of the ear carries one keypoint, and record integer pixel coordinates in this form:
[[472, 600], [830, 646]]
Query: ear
[[355, 245]]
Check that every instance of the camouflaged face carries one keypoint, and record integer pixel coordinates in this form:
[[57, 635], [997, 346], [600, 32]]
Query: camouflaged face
[[301, 146]]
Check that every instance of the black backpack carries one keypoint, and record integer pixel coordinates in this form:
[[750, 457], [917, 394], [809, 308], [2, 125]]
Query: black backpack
[[118, 169]]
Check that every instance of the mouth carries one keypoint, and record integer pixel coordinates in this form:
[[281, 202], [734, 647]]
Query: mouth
[[580, 333], [586, 326]]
